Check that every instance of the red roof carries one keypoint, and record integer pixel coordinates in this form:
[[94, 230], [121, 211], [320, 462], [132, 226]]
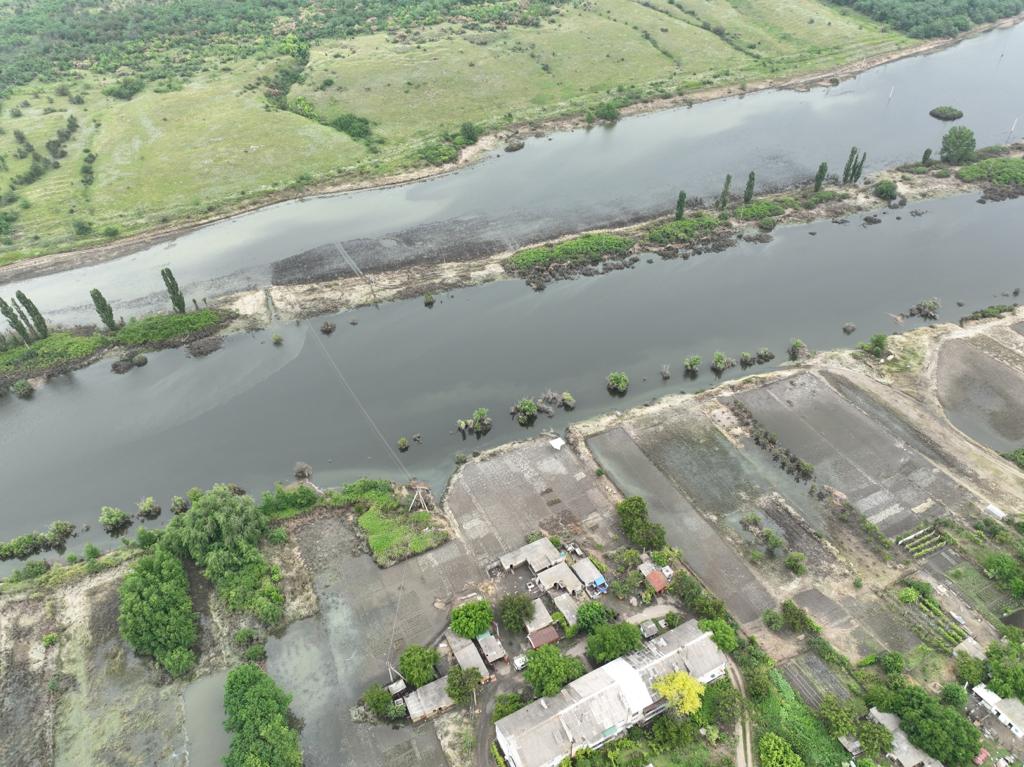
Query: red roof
[[657, 580], [546, 635], [981, 757]]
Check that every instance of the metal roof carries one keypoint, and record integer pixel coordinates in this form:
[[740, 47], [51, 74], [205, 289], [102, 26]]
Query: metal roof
[[560, 575], [539, 554], [541, 617], [587, 571]]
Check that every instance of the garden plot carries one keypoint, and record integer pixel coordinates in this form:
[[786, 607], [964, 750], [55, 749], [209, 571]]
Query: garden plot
[[926, 618], [952, 570], [886, 479], [813, 679]]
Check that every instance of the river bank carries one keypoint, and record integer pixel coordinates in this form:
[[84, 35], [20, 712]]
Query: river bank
[[54, 263]]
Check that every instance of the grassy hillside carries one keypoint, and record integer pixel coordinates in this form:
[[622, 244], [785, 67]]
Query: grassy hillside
[[180, 111]]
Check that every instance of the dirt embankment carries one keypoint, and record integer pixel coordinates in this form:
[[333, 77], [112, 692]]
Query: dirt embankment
[[304, 300], [58, 262]]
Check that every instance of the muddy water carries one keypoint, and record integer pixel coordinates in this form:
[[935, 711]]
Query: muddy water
[[577, 180], [204, 720], [247, 413]]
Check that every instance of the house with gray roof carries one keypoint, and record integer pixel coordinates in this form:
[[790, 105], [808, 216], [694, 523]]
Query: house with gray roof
[[428, 700], [539, 555], [560, 576], [603, 704]]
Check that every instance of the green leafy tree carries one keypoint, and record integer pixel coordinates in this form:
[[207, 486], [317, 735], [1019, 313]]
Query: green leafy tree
[[638, 528], [472, 619], [748, 192], [176, 296], [548, 671], [721, 703], [506, 703], [156, 616], [417, 665], [103, 309], [592, 614], [692, 364], [722, 632], [514, 610], [953, 695], [969, 670], [221, 532], [819, 177], [958, 145], [680, 205], [379, 702], [837, 716], [875, 738], [1005, 662], [773, 751], [526, 411], [612, 640], [37, 318], [940, 731], [258, 720], [461, 684]]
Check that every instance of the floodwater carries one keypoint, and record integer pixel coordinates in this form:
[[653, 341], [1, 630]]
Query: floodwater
[[204, 720], [574, 181], [247, 413]]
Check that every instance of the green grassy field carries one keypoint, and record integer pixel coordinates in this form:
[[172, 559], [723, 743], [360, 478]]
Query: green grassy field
[[213, 143]]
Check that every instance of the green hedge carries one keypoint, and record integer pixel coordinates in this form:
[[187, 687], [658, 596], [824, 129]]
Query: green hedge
[[588, 248]]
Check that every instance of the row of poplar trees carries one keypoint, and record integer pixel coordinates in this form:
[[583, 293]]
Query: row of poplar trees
[[851, 175], [27, 323]]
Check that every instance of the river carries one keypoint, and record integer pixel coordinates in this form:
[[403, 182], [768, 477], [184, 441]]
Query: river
[[573, 181], [247, 413]]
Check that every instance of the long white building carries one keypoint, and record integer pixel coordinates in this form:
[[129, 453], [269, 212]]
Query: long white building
[[603, 704]]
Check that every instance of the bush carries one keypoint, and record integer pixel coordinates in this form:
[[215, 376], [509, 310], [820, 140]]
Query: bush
[[947, 113], [29, 571], [22, 389], [773, 751], [125, 88], [526, 412], [160, 329], [618, 383], [1005, 171], [255, 653], [758, 210], [609, 641], [114, 521], [773, 619], [796, 619], [156, 616], [258, 718], [244, 637], [684, 230], [886, 190], [877, 346], [796, 563], [587, 248], [892, 662], [417, 665], [472, 619]]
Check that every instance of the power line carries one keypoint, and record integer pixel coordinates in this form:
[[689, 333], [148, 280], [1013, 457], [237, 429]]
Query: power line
[[366, 414]]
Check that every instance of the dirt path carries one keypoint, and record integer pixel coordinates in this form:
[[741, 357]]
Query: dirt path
[[64, 261], [744, 731]]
